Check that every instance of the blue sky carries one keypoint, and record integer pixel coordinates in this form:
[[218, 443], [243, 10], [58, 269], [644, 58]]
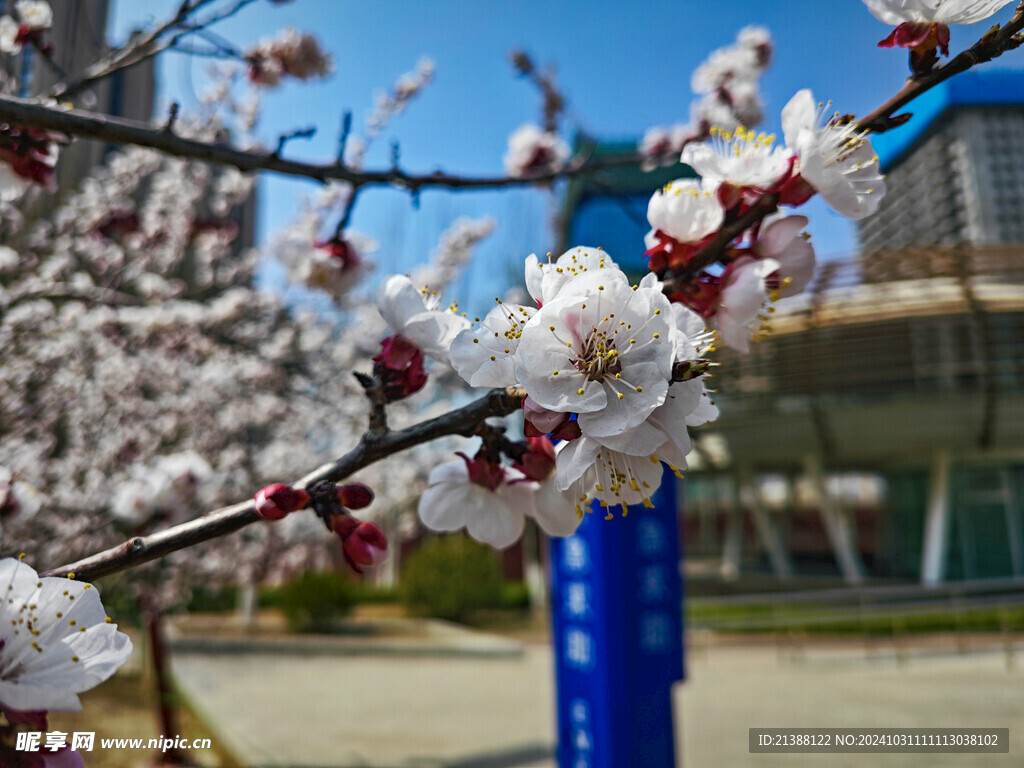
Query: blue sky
[[624, 66]]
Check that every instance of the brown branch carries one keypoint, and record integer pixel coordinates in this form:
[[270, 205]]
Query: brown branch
[[992, 44], [145, 46], [117, 130], [710, 253], [372, 448]]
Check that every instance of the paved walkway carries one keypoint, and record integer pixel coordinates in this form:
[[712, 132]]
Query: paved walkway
[[495, 712]]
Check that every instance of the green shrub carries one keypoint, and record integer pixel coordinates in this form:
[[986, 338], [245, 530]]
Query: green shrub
[[315, 600], [205, 600], [371, 594], [450, 577], [515, 595]]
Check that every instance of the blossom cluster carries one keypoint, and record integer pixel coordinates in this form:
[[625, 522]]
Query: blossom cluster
[[31, 20], [598, 359], [727, 84], [826, 154], [290, 54]]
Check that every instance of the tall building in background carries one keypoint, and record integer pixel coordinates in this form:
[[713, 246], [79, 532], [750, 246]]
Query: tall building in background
[[954, 173], [78, 37]]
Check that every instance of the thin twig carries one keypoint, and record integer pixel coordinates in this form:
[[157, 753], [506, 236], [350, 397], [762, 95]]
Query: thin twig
[[143, 549], [298, 133], [145, 46]]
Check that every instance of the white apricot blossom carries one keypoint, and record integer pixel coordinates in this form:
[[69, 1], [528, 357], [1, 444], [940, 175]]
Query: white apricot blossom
[[686, 210], [783, 240], [55, 640], [545, 279], [741, 157], [415, 314], [494, 516], [601, 348], [934, 11], [834, 156], [485, 355], [744, 294], [625, 468], [533, 151]]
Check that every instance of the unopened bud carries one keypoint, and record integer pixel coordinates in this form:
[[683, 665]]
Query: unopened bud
[[538, 461], [277, 500], [399, 365], [355, 495], [540, 421], [363, 544]]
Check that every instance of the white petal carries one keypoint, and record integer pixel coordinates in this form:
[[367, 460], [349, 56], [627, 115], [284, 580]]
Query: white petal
[[499, 524], [398, 301], [798, 115], [574, 458], [555, 512], [485, 356]]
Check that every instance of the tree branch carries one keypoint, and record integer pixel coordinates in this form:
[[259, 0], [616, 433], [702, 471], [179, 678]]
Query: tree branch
[[145, 46], [372, 448], [992, 44], [117, 130]]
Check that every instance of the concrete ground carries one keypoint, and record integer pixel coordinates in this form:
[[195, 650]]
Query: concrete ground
[[287, 709]]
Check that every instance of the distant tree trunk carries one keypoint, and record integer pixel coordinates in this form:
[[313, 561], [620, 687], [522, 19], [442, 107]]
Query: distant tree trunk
[[166, 703], [248, 600]]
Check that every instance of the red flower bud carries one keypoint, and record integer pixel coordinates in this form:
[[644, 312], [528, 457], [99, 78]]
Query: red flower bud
[[538, 462], [363, 544], [540, 421], [277, 500], [355, 495], [399, 365]]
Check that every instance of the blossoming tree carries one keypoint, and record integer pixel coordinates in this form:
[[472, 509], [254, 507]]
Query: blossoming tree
[[145, 381]]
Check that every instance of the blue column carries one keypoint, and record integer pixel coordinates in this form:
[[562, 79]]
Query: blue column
[[618, 636]]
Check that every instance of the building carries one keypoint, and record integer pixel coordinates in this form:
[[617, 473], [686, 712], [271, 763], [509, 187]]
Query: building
[[878, 431], [79, 38], [954, 172]]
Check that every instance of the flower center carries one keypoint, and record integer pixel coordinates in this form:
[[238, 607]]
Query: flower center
[[598, 357], [742, 142]]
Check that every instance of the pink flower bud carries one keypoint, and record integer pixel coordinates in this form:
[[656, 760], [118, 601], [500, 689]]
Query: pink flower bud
[[540, 422], [277, 500], [538, 462], [355, 495], [399, 364], [363, 544]]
